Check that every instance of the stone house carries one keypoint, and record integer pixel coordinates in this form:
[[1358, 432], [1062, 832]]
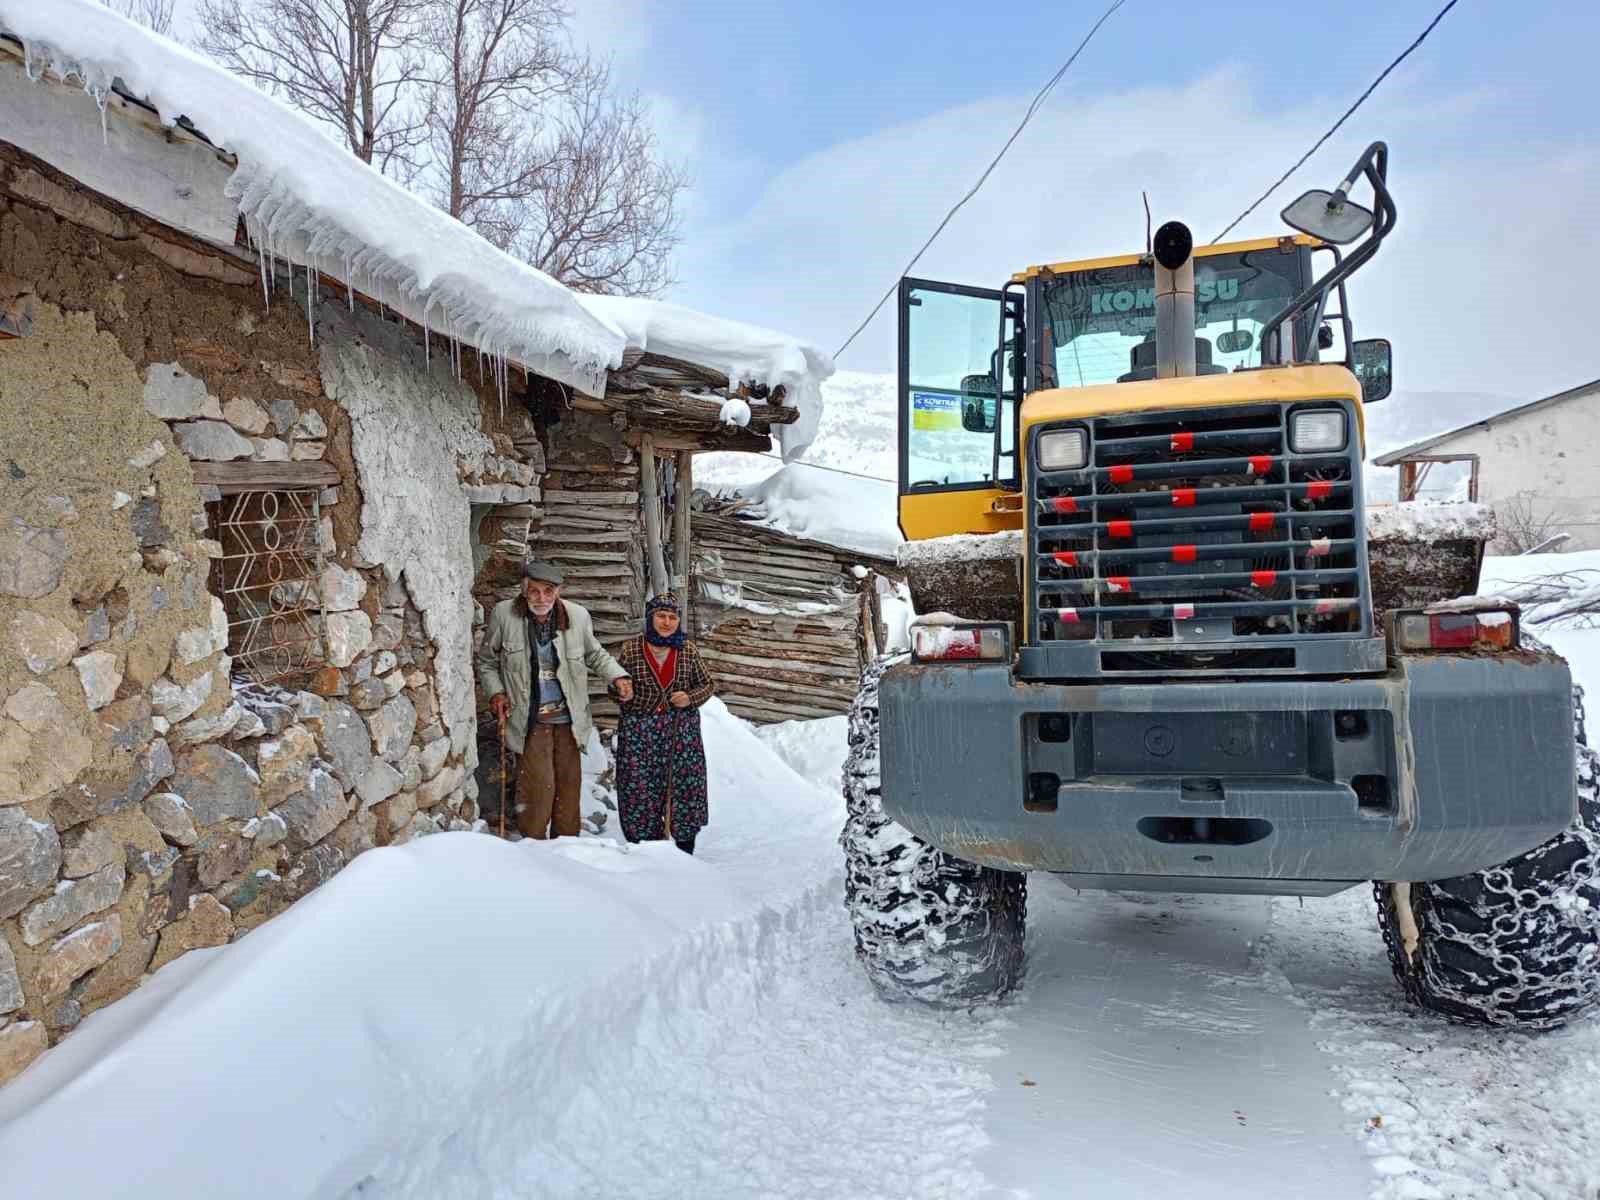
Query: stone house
[[257, 476], [1534, 464]]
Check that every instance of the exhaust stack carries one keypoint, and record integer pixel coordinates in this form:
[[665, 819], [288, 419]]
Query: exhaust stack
[[1173, 247]]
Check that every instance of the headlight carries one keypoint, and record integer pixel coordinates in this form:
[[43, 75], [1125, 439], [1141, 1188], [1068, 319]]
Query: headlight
[[1315, 430], [1063, 450]]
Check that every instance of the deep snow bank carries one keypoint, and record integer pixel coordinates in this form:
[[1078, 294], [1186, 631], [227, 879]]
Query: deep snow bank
[[365, 1038]]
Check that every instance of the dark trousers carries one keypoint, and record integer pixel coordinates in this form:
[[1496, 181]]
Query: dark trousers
[[549, 784]]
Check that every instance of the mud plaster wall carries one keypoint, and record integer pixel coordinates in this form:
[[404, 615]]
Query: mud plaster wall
[[149, 802], [416, 433]]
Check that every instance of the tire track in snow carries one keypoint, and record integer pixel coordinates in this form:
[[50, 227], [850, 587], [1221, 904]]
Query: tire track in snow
[[777, 1076], [1144, 1057], [1446, 1112]]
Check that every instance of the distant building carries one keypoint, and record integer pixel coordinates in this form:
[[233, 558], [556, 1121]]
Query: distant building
[[1537, 465]]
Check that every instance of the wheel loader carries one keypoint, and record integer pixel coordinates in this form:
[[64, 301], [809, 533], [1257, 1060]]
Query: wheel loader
[[1165, 645]]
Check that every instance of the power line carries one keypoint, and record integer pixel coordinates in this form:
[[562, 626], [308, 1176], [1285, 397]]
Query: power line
[[1421, 37], [1015, 133], [819, 467]]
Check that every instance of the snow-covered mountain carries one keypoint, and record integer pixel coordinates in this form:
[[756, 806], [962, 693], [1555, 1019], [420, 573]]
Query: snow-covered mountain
[[857, 434]]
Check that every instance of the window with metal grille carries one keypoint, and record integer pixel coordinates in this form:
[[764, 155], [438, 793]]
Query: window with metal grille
[[267, 577]]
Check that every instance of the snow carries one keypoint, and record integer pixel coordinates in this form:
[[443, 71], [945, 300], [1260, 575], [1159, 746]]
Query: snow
[[1430, 520], [742, 352], [409, 1022], [308, 200], [1576, 638], [842, 490], [312, 201], [462, 1017], [734, 411], [841, 510]]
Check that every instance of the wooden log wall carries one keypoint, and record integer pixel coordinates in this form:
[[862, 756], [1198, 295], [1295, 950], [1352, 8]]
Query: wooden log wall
[[783, 623], [590, 527]]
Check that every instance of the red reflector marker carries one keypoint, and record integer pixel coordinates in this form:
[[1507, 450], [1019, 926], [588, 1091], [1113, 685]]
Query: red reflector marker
[[1260, 464], [1184, 553], [1319, 489], [1183, 441], [1123, 474], [1119, 529], [1067, 616], [1261, 522], [1328, 606], [1182, 612], [1182, 497], [1118, 583], [1452, 632], [1263, 579], [1064, 504], [1067, 558]]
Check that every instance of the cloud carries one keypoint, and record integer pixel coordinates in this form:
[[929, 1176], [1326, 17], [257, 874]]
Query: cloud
[[1478, 288]]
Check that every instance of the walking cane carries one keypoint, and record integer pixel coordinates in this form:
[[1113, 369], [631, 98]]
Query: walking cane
[[502, 776]]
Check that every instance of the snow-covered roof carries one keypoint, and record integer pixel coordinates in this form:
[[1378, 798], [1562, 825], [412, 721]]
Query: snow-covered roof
[[305, 198], [1592, 388]]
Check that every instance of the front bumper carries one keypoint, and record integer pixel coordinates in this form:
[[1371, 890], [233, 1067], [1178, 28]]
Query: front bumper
[[1444, 765]]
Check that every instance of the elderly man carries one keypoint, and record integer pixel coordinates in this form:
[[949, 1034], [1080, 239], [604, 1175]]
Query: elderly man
[[534, 663]]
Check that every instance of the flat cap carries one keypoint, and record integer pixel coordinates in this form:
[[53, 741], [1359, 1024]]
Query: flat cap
[[544, 572]]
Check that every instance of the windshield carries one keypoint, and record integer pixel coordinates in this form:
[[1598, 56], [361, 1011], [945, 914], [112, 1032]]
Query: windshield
[[1098, 318]]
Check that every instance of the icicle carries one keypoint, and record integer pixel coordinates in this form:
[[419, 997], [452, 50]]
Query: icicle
[[261, 260], [311, 325], [349, 286]]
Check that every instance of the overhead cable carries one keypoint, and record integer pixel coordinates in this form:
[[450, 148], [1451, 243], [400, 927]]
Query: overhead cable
[[1015, 133], [1421, 37]]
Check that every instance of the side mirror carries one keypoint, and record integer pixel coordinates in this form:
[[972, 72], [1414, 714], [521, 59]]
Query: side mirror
[[1331, 216], [979, 412], [1373, 362], [1235, 340]]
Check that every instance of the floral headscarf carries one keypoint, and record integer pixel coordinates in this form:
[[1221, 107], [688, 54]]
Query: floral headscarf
[[669, 602]]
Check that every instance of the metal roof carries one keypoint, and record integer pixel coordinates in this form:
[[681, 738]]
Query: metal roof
[[1427, 444]]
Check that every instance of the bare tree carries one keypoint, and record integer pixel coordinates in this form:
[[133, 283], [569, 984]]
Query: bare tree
[[532, 148], [494, 62], [157, 14], [603, 214], [1523, 524], [485, 106], [351, 63]]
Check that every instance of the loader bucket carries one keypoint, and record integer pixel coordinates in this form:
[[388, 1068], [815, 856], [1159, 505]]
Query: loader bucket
[[976, 576], [1418, 554]]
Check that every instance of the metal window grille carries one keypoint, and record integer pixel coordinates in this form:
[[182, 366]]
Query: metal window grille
[[268, 580]]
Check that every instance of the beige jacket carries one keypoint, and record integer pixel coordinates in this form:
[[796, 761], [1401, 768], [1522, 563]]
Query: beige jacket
[[505, 664]]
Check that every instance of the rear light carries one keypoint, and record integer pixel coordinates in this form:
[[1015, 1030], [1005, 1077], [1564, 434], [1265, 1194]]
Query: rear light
[[1456, 627], [960, 643]]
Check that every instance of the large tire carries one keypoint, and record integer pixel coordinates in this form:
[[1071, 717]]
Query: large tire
[[1517, 945], [928, 926]]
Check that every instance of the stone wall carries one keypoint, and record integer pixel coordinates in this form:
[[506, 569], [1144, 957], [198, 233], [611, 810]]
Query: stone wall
[[153, 801]]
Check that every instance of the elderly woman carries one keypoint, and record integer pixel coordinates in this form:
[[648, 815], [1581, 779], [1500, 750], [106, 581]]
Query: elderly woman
[[661, 760]]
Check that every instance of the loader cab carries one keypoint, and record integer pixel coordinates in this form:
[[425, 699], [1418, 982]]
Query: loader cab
[[968, 357]]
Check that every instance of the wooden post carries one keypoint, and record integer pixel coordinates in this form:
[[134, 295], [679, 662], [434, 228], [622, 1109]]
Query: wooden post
[[680, 531], [650, 495]]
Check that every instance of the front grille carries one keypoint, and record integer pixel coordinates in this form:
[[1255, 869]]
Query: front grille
[[1198, 539]]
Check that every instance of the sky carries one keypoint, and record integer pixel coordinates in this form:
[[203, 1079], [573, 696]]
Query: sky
[[827, 138]]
